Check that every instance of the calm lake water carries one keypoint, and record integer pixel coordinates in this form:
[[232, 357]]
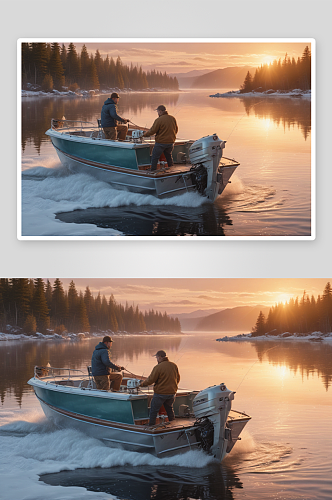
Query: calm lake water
[[269, 195], [285, 451]]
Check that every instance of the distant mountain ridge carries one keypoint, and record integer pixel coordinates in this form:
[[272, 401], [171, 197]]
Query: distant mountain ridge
[[223, 78], [241, 318]]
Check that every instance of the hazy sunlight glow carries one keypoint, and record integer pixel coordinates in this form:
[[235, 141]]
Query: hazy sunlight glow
[[283, 297]]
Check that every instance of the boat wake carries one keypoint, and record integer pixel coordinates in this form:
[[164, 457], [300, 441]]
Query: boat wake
[[31, 446], [253, 198], [64, 464], [57, 202], [255, 457], [58, 192]]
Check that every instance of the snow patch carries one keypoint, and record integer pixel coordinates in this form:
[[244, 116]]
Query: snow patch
[[314, 337], [267, 93]]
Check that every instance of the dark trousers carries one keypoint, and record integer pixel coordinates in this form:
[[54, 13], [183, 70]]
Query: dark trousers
[[156, 403], [157, 152]]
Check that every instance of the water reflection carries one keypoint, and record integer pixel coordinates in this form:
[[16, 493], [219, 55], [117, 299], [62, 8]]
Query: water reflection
[[212, 482], [288, 112], [205, 220], [19, 358], [300, 357], [37, 112]]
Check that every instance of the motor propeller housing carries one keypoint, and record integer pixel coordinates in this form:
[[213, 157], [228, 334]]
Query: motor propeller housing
[[205, 149]]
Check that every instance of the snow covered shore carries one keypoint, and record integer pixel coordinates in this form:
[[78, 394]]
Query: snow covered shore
[[314, 337], [5, 336], [267, 93], [85, 93]]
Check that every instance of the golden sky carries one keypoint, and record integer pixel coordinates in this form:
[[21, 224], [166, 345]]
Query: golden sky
[[185, 295], [175, 57]]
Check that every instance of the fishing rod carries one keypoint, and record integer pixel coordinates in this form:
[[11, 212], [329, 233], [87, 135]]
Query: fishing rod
[[255, 363], [138, 126], [244, 114], [134, 374]]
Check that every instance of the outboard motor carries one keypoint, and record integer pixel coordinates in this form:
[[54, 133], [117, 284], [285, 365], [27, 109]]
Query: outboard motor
[[205, 155], [133, 385], [211, 407]]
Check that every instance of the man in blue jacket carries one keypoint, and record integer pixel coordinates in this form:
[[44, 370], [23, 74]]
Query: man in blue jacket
[[102, 365], [110, 119]]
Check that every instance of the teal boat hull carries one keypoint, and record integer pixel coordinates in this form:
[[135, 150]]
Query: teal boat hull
[[126, 165], [203, 420]]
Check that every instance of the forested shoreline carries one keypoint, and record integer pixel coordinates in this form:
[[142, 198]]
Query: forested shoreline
[[304, 315], [49, 66], [286, 74], [31, 305]]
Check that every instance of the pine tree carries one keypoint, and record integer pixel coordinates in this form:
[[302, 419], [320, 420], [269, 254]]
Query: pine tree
[[30, 325], [20, 299], [89, 305], [247, 84], [48, 294], [118, 74], [259, 328], [73, 307], [39, 306], [327, 308], [83, 324], [93, 81], [56, 68], [306, 69], [63, 55], [39, 60], [85, 63], [104, 321], [47, 83], [113, 324], [59, 308], [99, 66], [26, 67], [72, 65]]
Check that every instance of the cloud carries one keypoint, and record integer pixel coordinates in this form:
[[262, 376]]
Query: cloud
[[182, 302]]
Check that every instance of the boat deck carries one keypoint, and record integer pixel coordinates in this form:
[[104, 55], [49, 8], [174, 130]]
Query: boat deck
[[183, 168], [162, 170]]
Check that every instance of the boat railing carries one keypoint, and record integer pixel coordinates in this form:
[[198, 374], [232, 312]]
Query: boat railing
[[51, 372], [79, 125]]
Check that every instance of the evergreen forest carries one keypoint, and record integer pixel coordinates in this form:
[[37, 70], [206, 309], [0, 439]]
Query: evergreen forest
[[304, 315], [286, 74], [35, 306], [49, 66]]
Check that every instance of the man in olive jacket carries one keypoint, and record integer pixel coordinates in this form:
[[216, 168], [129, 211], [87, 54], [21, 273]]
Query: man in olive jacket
[[165, 128], [165, 377], [101, 367]]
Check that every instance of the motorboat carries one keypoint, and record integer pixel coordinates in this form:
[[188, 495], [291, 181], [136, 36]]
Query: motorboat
[[198, 165], [203, 419]]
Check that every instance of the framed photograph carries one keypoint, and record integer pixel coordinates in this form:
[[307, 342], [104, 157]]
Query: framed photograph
[[166, 388], [166, 139]]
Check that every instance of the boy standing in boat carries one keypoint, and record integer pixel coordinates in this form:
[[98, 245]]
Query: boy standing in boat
[[110, 119], [165, 128], [101, 366], [165, 377]]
